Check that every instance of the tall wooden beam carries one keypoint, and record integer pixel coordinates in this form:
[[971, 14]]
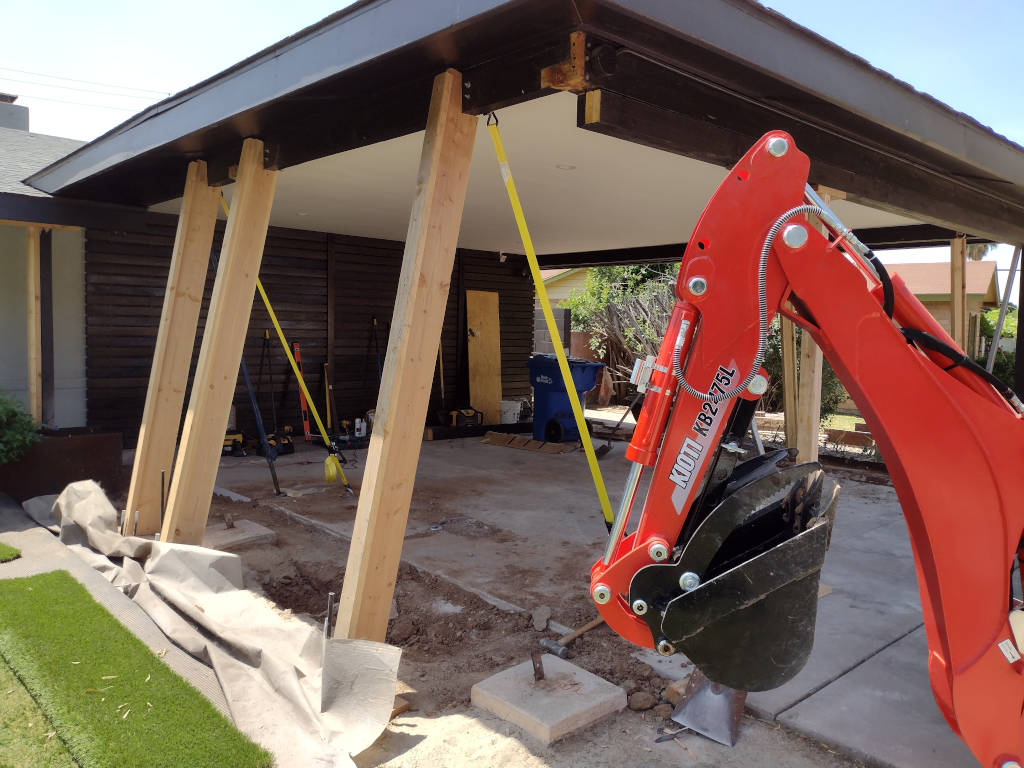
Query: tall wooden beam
[[409, 368], [789, 380], [195, 471], [46, 327], [168, 376], [958, 290], [34, 323], [809, 398]]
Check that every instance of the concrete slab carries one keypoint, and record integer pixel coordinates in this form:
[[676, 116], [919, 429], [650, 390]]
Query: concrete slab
[[873, 601], [566, 701], [228, 494], [244, 533], [883, 711], [522, 529]]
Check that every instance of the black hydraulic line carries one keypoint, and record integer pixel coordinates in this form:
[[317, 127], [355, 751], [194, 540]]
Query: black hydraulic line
[[957, 358], [888, 297]]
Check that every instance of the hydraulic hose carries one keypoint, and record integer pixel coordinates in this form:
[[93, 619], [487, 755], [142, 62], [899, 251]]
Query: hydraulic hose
[[762, 310]]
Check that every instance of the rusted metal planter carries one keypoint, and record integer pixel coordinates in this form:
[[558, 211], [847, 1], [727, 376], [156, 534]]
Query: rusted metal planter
[[61, 457]]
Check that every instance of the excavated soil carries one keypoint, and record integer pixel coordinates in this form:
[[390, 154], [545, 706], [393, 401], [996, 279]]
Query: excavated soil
[[450, 637]]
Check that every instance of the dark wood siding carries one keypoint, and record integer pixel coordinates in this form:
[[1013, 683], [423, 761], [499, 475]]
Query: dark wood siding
[[366, 279], [125, 277]]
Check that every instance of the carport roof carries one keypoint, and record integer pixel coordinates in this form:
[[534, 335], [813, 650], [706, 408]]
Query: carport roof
[[701, 78]]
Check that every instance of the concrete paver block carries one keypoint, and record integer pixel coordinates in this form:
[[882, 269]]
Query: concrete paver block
[[567, 700], [245, 533]]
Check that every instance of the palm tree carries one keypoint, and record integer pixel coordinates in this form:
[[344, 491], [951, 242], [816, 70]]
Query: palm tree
[[978, 251]]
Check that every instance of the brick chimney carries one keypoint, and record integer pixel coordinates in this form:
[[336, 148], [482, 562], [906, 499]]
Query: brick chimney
[[12, 115]]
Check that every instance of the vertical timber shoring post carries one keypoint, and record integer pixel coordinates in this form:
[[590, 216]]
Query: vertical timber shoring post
[[46, 364], [809, 399], [409, 367], [958, 290], [34, 325], [332, 373], [1018, 367], [176, 336], [195, 471], [790, 406]]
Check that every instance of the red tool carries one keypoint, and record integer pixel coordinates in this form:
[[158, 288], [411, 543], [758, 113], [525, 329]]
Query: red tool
[[302, 395], [724, 560]]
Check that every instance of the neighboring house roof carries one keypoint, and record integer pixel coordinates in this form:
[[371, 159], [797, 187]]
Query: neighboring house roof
[[932, 279], [22, 153], [554, 275]]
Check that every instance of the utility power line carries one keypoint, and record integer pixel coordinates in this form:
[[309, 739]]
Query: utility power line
[[83, 104], [147, 97], [85, 82]]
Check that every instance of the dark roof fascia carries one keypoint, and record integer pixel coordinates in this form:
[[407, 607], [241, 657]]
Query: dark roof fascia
[[317, 80], [876, 238], [382, 54], [70, 212], [765, 39]]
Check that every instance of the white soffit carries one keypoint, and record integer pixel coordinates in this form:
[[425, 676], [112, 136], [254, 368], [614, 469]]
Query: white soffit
[[581, 190]]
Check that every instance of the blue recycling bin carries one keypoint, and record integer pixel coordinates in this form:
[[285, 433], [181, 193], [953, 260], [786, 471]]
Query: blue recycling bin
[[553, 420]]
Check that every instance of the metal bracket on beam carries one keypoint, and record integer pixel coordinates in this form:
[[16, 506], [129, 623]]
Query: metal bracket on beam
[[570, 75]]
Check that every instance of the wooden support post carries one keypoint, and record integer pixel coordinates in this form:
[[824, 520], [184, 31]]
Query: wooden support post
[[958, 290], [789, 385], [809, 398], [213, 388], [46, 327], [34, 322], [168, 376], [409, 368], [1018, 367]]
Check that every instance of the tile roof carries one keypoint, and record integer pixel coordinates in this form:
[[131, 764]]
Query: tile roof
[[932, 279], [22, 153]]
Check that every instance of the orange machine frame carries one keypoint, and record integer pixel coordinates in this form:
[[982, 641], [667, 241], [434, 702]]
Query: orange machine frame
[[953, 446]]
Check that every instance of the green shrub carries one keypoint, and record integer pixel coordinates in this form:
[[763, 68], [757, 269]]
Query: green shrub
[[626, 309], [17, 430], [1004, 366], [990, 317], [832, 391]]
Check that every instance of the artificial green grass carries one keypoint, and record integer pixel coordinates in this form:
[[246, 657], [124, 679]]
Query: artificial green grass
[[111, 700], [8, 553], [26, 736]]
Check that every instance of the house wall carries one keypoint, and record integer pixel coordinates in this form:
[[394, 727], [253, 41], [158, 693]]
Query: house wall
[[943, 312], [559, 289], [311, 278], [68, 322]]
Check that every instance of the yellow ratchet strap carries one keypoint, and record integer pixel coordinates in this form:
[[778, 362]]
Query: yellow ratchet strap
[[332, 467], [545, 304]]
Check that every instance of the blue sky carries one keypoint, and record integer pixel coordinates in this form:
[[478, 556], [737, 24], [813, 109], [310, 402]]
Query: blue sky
[[135, 53], [966, 54]]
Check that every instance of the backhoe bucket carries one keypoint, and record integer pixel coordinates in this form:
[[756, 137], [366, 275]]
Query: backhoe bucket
[[749, 625], [752, 628], [710, 709]]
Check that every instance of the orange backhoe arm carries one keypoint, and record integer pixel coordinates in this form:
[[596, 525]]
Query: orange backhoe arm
[[721, 559]]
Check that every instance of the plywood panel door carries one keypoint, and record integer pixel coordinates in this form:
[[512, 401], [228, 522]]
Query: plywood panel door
[[484, 342]]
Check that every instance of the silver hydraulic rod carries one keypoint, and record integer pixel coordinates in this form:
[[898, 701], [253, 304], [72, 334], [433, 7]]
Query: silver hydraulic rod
[[832, 222], [1002, 310], [756, 434], [628, 496]]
